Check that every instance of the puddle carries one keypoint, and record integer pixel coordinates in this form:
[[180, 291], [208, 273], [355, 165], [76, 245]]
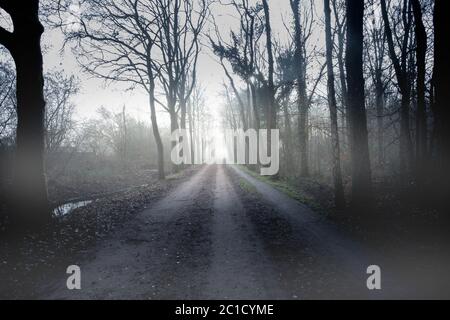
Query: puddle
[[67, 208]]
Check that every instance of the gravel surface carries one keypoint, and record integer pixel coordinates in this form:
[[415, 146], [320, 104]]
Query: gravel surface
[[219, 233]]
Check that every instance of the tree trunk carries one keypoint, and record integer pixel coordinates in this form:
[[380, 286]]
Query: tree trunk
[[271, 112], [301, 91], [421, 136], [340, 30], [441, 81], [155, 128], [380, 114], [173, 127], [183, 123], [339, 196], [30, 190], [183, 113], [238, 97], [288, 139], [303, 140], [191, 129], [124, 138], [257, 121], [361, 173], [173, 118], [405, 91], [405, 135]]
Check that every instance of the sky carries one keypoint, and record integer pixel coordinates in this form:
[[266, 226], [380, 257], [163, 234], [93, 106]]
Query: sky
[[94, 93]]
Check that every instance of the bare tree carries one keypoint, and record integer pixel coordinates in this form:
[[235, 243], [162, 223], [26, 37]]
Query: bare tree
[[339, 197], [376, 55], [286, 73], [178, 40], [300, 67], [341, 24], [195, 104], [59, 90], [241, 52], [242, 109], [231, 118], [271, 113], [361, 173], [421, 118], [115, 41], [401, 71]]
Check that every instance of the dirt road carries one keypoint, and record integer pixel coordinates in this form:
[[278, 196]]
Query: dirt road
[[224, 235]]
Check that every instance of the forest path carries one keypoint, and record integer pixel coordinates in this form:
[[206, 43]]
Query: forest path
[[223, 235]]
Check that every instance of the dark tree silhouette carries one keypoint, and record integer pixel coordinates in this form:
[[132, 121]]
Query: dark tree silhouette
[[376, 60], [421, 51], [30, 201], [339, 197], [302, 103], [341, 23], [401, 72], [361, 172], [241, 53], [271, 115], [441, 80]]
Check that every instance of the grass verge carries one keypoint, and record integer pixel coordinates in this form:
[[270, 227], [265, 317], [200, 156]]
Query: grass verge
[[290, 189]]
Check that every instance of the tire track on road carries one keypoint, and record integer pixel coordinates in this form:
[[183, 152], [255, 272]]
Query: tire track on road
[[240, 268]]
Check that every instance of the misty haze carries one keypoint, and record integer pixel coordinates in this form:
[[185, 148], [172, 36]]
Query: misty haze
[[224, 149]]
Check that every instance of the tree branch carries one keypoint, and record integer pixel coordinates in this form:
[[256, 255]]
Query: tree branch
[[6, 38]]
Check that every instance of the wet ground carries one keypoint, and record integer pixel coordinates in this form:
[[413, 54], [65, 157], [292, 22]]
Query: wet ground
[[226, 235]]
